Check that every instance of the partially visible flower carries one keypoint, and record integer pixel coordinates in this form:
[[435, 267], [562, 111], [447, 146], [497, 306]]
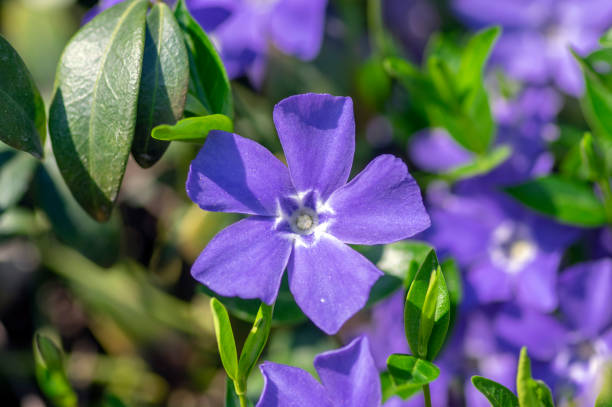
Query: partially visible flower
[[538, 34], [509, 252], [242, 30], [577, 345], [348, 379], [304, 215]]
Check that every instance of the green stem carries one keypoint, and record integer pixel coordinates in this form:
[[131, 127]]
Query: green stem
[[375, 27], [606, 192], [427, 395], [243, 400]]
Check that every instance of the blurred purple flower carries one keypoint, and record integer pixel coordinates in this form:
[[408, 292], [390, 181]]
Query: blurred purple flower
[[411, 21], [509, 252], [348, 379], [243, 29], [577, 345], [538, 33], [304, 215]]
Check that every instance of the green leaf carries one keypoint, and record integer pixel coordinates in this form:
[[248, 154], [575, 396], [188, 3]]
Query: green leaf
[[225, 339], [409, 374], [208, 81], [606, 40], [474, 57], [597, 100], [604, 399], [570, 202], [163, 84], [427, 310], [16, 172], [93, 113], [194, 129], [531, 393], [50, 372], [452, 276], [498, 395], [255, 341], [592, 159], [22, 120], [481, 165]]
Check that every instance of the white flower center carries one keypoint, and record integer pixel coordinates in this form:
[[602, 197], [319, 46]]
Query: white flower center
[[303, 221], [512, 247]]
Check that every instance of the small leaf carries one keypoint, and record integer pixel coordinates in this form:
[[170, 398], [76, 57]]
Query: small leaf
[[93, 113], [531, 393], [255, 341], [225, 339], [593, 162], [427, 310], [452, 276], [604, 399], [22, 116], [208, 81], [570, 202], [497, 394], [15, 176], [163, 85], [50, 372], [194, 129], [409, 374], [481, 165], [474, 57], [606, 40]]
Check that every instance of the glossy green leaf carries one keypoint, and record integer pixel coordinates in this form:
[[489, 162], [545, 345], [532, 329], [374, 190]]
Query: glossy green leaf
[[482, 164], [22, 115], [16, 172], [531, 393], [604, 399], [409, 374], [427, 310], [163, 84], [255, 341], [93, 113], [208, 81], [454, 284], [568, 201], [50, 372], [497, 394], [225, 338], [194, 129]]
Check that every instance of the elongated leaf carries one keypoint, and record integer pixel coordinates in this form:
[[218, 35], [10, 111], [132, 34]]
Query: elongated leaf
[[164, 83], [93, 113], [16, 172], [208, 81], [255, 341], [531, 393], [22, 112], [225, 339], [497, 394], [50, 372], [427, 310], [481, 165], [409, 374], [568, 201], [194, 129], [474, 57], [592, 160]]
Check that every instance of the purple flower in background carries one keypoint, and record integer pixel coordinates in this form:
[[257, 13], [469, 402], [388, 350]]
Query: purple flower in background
[[304, 215], [507, 253], [348, 379], [538, 33], [243, 30], [579, 343]]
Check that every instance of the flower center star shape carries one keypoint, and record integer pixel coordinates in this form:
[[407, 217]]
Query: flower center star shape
[[304, 214]]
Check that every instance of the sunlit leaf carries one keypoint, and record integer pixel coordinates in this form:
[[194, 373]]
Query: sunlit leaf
[[225, 338], [194, 129], [409, 374], [497, 394]]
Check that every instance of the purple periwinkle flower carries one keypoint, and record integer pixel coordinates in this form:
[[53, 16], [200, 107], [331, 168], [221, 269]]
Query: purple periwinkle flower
[[348, 379], [538, 33], [303, 215]]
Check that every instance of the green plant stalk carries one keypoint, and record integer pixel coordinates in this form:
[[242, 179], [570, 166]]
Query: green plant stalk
[[375, 27], [606, 192], [427, 395], [241, 393]]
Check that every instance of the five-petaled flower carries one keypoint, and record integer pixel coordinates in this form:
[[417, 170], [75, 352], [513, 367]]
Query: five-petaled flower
[[348, 378], [303, 215]]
